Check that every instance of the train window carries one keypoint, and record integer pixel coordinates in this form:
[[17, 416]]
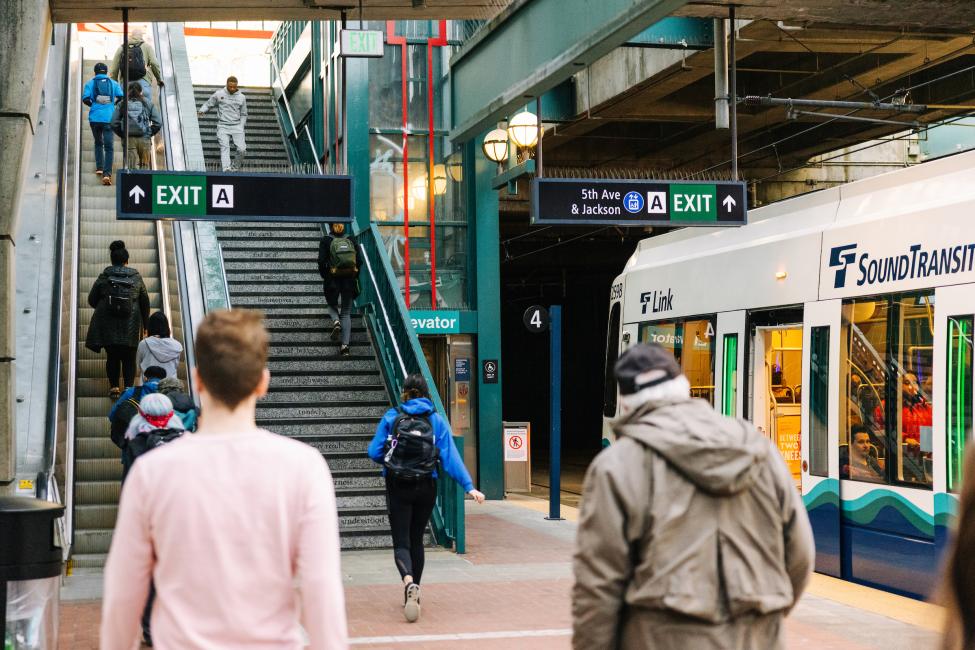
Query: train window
[[612, 353], [818, 401], [729, 395], [958, 411], [888, 361], [692, 344]]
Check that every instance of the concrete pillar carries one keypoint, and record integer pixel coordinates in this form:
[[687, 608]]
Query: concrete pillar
[[25, 36]]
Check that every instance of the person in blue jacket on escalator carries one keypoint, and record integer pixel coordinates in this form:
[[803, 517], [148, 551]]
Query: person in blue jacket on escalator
[[409, 442]]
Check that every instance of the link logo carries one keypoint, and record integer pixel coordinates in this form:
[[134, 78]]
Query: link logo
[[658, 300], [839, 257]]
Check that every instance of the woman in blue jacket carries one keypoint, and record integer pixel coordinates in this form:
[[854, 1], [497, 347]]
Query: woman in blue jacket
[[411, 500]]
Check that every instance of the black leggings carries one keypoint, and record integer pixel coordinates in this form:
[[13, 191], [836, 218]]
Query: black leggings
[[121, 358], [410, 506]]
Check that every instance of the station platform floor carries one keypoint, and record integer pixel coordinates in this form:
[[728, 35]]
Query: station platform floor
[[511, 590]]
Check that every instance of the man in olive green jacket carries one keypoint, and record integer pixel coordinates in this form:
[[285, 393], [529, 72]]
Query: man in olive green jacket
[[692, 535]]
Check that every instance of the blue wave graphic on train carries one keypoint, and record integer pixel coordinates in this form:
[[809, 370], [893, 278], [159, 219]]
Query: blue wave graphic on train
[[917, 262]]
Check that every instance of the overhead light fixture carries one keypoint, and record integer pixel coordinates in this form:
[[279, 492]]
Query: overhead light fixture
[[523, 129], [781, 275], [418, 188], [495, 145], [439, 180], [455, 167]]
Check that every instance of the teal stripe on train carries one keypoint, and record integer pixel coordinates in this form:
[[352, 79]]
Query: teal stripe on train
[[864, 511]]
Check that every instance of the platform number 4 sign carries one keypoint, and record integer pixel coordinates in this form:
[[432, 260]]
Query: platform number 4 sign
[[536, 319]]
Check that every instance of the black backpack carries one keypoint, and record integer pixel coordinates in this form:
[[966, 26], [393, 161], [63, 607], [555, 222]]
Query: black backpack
[[150, 440], [136, 62], [120, 295], [411, 448]]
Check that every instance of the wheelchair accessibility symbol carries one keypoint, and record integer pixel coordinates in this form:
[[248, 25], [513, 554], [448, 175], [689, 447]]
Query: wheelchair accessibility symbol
[[633, 202]]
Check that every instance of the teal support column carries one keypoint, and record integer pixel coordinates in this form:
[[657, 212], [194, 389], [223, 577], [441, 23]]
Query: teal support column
[[487, 274], [357, 135]]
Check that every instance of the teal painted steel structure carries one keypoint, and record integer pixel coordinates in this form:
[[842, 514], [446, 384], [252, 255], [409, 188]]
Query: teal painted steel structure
[[534, 45]]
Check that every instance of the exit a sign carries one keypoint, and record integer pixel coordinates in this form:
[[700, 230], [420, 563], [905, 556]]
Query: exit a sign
[[638, 202], [361, 43], [233, 197]]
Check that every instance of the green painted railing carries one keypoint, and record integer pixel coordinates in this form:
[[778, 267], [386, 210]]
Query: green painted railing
[[400, 354]]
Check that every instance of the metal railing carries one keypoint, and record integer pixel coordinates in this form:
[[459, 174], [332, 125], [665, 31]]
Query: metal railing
[[400, 355], [59, 419], [271, 55]]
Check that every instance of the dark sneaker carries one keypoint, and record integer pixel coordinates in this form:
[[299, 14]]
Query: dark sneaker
[[336, 330], [115, 393], [345, 351], [411, 609]]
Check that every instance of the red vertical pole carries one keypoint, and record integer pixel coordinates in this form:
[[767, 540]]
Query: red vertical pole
[[392, 39], [439, 41]]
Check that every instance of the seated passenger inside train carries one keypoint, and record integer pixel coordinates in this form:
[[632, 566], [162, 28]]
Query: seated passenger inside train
[[861, 461], [916, 418]]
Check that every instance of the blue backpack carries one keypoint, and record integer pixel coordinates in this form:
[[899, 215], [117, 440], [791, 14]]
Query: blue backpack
[[102, 91]]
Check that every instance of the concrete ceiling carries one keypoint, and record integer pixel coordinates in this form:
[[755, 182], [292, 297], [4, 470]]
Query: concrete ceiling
[[956, 15], [75, 11], [665, 120]]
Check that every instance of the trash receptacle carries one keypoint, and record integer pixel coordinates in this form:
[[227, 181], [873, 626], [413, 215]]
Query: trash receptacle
[[30, 573]]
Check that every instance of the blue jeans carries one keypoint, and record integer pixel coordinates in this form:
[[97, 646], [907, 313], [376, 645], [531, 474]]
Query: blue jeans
[[104, 147]]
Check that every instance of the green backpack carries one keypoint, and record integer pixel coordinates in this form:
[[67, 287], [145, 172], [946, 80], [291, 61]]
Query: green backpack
[[342, 258]]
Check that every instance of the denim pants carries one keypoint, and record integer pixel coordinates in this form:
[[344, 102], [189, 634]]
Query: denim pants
[[104, 146], [343, 310]]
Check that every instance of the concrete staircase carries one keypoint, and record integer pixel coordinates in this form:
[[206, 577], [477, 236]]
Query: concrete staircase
[[98, 469], [265, 143], [317, 396]]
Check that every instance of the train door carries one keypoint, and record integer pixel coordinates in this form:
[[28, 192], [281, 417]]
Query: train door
[[820, 441], [730, 342], [953, 397], [776, 389]]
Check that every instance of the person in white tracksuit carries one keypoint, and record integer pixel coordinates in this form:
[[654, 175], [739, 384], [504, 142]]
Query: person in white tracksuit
[[231, 119]]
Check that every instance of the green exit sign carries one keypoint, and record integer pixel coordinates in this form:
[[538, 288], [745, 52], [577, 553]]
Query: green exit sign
[[355, 43]]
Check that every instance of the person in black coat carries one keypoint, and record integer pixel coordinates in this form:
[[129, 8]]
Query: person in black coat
[[121, 305], [341, 281]]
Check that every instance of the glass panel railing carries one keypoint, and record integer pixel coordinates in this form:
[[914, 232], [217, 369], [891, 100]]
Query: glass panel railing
[[400, 355]]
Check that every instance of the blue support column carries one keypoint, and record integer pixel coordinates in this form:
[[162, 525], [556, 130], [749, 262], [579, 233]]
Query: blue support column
[[555, 439]]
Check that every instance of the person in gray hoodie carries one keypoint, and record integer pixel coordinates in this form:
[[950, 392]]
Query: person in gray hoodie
[[159, 348], [231, 120], [692, 533]]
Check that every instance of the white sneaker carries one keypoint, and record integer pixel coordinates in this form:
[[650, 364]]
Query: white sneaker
[[411, 609]]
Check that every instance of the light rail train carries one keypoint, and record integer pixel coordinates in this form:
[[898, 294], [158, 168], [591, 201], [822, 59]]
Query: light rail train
[[840, 323]]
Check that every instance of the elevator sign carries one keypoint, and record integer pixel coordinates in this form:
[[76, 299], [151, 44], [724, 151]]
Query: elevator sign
[[233, 197], [638, 202]]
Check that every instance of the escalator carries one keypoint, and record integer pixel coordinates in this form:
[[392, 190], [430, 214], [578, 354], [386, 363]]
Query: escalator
[[97, 467], [317, 396]]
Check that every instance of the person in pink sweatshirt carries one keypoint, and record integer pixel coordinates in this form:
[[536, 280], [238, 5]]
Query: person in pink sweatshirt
[[236, 526]]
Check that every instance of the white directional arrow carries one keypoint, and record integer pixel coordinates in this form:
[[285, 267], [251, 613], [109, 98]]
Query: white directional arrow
[[728, 202], [137, 193]]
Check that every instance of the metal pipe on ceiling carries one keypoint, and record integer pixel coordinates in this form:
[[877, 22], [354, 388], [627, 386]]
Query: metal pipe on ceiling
[[720, 73]]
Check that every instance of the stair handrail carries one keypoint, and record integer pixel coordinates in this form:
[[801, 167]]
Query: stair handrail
[[400, 355], [287, 105], [65, 290]]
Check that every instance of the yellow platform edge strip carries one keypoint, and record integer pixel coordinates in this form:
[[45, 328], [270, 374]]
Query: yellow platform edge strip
[[906, 610]]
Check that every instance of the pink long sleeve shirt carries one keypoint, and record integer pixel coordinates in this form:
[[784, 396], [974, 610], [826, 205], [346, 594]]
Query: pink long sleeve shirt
[[240, 534]]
